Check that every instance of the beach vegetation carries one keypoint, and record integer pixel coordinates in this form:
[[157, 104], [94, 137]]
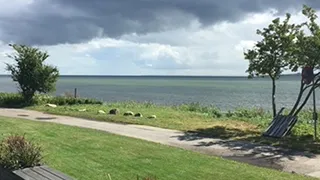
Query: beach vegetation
[[16, 100]]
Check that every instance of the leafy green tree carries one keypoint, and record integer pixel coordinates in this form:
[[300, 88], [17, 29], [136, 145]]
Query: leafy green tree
[[270, 56], [307, 54], [30, 72]]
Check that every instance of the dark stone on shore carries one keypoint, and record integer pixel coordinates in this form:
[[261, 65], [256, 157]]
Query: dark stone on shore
[[114, 111], [128, 113], [138, 115]]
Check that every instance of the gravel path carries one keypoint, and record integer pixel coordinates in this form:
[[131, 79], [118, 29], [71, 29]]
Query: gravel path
[[264, 156]]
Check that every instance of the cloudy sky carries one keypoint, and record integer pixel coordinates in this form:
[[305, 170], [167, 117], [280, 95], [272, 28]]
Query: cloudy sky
[[141, 37]]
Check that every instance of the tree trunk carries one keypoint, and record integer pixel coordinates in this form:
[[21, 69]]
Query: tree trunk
[[313, 87], [28, 96], [306, 99], [273, 97], [298, 99]]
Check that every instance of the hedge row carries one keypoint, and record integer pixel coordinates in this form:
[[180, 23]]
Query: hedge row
[[11, 100]]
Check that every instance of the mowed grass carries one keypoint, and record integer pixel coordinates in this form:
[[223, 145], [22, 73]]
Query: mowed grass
[[167, 117], [88, 154], [242, 124]]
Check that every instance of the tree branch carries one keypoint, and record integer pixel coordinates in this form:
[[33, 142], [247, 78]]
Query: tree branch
[[306, 99], [298, 99], [312, 84]]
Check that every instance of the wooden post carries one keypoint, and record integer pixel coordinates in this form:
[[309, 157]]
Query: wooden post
[[315, 115], [75, 92]]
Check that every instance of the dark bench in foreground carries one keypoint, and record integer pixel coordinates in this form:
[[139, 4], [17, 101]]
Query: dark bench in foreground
[[35, 173], [281, 125]]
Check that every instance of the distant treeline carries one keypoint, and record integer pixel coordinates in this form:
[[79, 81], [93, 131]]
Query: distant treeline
[[157, 76]]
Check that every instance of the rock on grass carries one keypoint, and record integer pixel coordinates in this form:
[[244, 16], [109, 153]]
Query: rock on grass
[[114, 111], [138, 115]]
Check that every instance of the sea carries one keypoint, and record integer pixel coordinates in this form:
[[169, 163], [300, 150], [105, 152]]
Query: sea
[[226, 93]]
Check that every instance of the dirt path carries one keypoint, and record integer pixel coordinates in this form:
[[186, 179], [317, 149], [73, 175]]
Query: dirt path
[[265, 156]]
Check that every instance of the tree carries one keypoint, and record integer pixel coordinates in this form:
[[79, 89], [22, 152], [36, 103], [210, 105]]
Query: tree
[[30, 72], [270, 56], [307, 54]]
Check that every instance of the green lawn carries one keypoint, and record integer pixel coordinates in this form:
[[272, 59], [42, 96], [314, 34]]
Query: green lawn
[[246, 125], [88, 154], [167, 117]]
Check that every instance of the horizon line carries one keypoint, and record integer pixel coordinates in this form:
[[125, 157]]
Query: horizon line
[[66, 75]]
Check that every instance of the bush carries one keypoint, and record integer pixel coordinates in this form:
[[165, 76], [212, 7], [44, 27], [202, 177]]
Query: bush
[[60, 100], [14, 100], [18, 153], [11, 100], [41, 99]]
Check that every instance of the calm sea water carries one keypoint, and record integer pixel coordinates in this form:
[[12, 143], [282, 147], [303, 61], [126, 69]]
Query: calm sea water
[[224, 92]]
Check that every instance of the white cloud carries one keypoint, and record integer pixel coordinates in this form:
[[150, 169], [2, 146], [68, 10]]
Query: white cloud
[[14, 7], [215, 50]]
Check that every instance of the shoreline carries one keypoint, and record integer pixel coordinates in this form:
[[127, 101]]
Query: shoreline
[[191, 105], [307, 107]]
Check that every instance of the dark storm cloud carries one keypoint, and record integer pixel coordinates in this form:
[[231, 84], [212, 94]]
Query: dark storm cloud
[[51, 22]]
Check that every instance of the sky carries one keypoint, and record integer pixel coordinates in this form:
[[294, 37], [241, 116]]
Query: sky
[[142, 37]]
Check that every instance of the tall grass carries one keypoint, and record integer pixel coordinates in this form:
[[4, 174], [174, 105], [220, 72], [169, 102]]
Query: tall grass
[[197, 107]]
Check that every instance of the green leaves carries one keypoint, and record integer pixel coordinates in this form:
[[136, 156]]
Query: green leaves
[[270, 55], [308, 47], [285, 46], [30, 71]]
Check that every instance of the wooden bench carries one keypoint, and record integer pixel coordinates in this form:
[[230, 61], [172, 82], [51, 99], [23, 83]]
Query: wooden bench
[[281, 125], [35, 173]]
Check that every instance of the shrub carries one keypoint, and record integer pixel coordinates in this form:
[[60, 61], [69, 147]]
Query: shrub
[[11, 100], [16, 100], [18, 153], [42, 98], [60, 100]]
